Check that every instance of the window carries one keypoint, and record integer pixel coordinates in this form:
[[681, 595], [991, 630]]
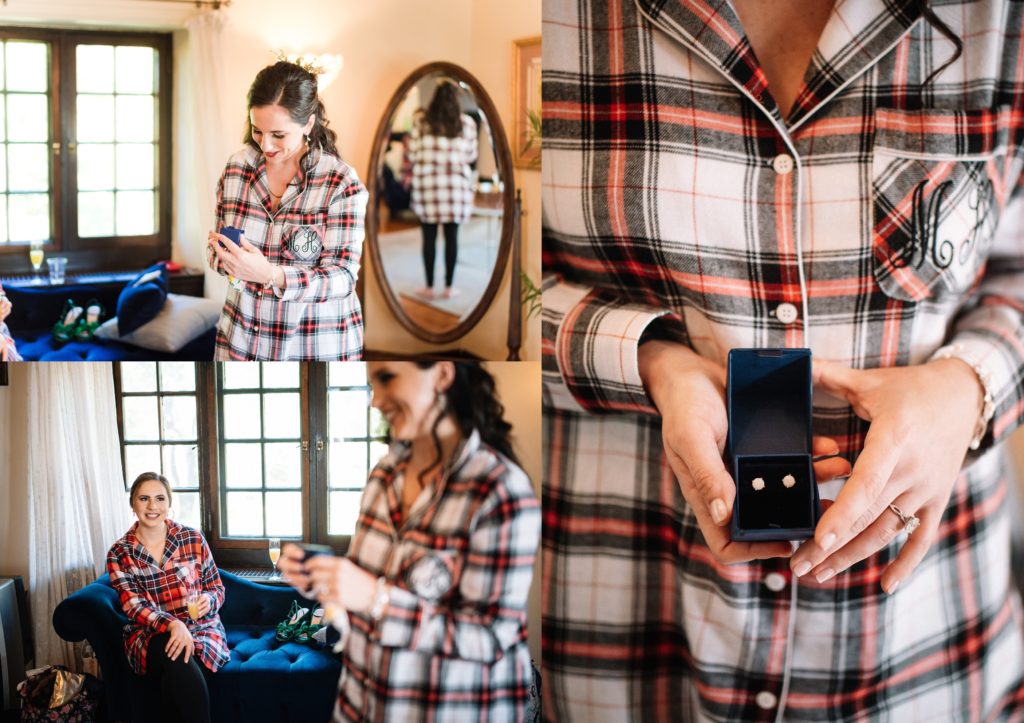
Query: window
[[85, 156], [159, 422], [254, 450]]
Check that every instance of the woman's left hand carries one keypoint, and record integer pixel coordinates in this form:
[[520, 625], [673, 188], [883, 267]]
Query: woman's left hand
[[339, 581], [245, 261], [204, 604], [912, 456]]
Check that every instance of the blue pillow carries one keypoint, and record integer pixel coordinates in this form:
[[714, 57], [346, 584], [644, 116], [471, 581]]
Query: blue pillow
[[142, 299]]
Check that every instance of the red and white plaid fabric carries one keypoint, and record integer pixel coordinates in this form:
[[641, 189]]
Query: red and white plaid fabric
[[880, 221], [316, 236], [452, 643], [8, 351], [155, 593], [443, 183]]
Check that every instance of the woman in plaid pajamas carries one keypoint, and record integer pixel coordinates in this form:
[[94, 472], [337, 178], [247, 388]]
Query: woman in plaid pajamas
[[438, 571], [844, 177], [154, 567], [442, 149], [301, 209]]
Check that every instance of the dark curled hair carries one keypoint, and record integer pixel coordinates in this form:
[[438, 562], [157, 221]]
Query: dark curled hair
[[293, 88], [472, 402], [444, 114], [148, 477], [925, 8]]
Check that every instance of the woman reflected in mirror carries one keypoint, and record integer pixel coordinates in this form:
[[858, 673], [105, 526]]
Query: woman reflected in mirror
[[442, 151], [434, 585], [289, 230]]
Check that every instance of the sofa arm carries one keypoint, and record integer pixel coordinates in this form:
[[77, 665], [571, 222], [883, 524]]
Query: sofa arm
[[94, 614]]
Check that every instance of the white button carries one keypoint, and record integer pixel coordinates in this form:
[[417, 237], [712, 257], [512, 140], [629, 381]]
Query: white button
[[786, 313], [775, 581], [783, 163], [766, 700]]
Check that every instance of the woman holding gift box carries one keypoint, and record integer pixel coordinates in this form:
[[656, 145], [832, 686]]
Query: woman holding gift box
[[301, 209], [171, 591], [437, 573], [845, 177]]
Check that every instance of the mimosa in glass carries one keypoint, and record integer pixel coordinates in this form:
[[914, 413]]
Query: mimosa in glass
[[35, 255], [193, 604], [274, 547]]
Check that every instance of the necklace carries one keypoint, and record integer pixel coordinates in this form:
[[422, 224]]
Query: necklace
[[275, 195]]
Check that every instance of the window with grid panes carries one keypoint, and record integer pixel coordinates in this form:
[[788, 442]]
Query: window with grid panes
[[357, 440], [84, 147], [159, 422], [25, 97], [261, 435]]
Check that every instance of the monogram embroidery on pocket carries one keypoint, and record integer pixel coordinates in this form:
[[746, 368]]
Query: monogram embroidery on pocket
[[305, 244], [923, 242]]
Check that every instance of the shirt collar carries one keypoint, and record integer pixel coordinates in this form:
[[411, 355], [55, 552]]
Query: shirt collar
[[856, 35]]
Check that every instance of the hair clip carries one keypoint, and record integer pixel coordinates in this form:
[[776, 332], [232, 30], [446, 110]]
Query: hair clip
[[789, 480], [758, 483]]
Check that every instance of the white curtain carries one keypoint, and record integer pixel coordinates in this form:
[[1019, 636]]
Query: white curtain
[[77, 503], [208, 124]]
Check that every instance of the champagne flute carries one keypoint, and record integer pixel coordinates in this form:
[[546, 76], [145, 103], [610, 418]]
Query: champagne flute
[[35, 255], [193, 603], [274, 547]]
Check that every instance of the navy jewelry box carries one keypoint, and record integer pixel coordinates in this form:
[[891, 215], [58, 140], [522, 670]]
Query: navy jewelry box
[[768, 397]]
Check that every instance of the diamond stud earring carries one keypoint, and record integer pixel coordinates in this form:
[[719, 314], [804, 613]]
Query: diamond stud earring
[[758, 483], [789, 480]]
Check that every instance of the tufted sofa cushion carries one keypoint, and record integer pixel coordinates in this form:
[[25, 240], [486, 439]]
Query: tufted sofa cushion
[[264, 681]]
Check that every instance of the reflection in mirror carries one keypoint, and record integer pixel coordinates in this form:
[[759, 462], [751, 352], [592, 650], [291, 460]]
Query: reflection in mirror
[[440, 203]]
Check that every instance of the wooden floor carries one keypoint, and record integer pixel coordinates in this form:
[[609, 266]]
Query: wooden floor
[[427, 316]]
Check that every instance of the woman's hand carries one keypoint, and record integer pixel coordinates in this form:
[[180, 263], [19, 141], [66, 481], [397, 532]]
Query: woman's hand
[[689, 392], [5, 305], [244, 261], [180, 641], [922, 420], [331, 580], [204, 605]]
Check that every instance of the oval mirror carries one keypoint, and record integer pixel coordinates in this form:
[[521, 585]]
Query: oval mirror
[[440, 218]]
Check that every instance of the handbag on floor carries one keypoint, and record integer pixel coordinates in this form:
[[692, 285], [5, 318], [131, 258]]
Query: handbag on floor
[[56, 694]]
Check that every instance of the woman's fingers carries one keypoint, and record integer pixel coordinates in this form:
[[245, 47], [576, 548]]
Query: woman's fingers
[[857, 503], [829, 469], [914, 550], [699, 452], [886, 527]]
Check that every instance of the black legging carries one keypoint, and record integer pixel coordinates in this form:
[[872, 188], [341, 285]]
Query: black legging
[[451, 251], [183, 692]]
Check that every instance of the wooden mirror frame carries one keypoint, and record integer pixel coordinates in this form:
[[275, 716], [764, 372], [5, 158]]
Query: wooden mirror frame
[[503, 158]]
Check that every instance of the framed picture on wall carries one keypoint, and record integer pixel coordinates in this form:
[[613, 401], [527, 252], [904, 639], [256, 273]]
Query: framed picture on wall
[[526, 103]]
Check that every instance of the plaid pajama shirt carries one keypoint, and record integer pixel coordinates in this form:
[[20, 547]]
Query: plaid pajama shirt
[[154, 595], [451, 645], [877, 223], [316, 237], [443, 185]]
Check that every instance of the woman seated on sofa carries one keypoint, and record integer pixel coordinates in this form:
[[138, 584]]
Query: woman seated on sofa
[[155, 568], [438, 571]]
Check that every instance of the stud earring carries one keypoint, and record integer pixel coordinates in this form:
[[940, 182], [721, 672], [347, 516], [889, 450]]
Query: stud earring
[[758, 483], [789, 480]]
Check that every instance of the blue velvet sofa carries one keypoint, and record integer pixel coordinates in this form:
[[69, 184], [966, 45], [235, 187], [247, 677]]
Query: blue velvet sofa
[[35, 309], [264, 681]]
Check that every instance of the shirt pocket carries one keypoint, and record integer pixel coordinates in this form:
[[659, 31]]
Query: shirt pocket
[[937, 198], [432, 573], [302, 241]]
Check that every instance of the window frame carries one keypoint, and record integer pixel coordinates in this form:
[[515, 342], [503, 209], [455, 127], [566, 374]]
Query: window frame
[[315, 442], [105, 253]]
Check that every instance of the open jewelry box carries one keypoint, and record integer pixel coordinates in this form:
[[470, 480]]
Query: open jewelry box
[[768, 396]]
